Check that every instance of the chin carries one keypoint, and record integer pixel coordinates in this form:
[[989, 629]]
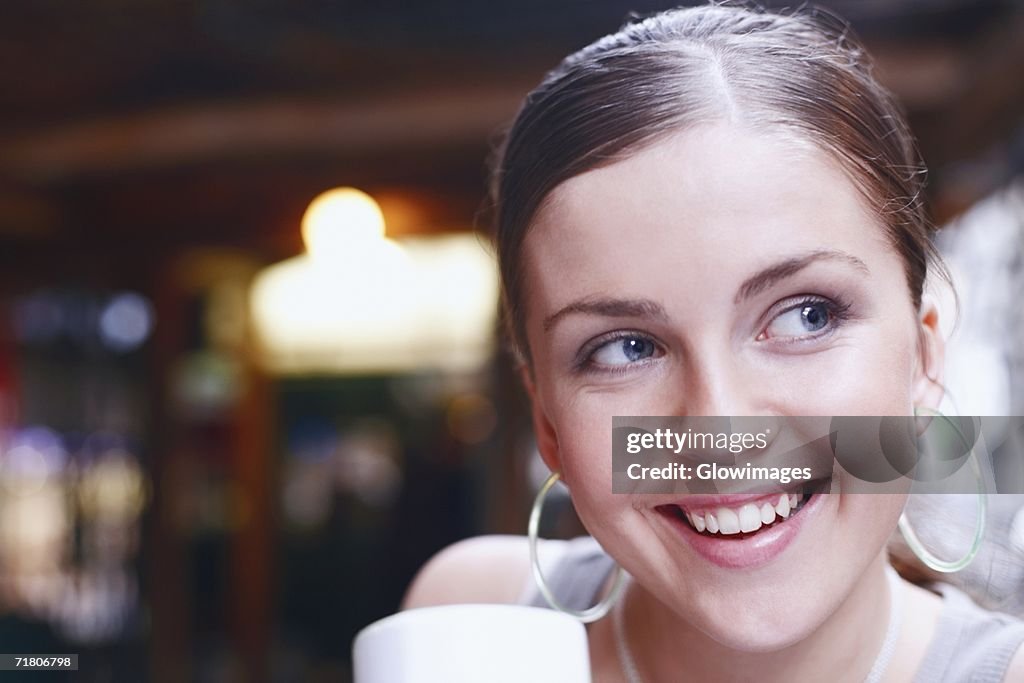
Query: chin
[[761, 623], [766, 590]]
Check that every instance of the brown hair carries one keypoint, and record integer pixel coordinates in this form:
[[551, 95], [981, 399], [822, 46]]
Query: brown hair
[[803, 72]]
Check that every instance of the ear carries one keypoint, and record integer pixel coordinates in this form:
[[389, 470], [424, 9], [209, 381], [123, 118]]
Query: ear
[[544, 431], [931, 353]]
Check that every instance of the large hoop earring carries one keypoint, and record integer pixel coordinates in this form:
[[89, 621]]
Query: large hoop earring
[[923, 554], [591, 613]]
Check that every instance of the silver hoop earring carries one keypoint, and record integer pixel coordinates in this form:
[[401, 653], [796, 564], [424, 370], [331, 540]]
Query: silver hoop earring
[[910, 536], [591, 613]]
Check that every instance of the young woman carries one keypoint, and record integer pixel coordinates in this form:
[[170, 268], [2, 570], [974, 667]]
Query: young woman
[[716, 211]]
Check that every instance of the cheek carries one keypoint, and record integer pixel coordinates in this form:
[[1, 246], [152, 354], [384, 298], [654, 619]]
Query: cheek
[[871, 374], [584, 445], [869, 518], [585, 453]]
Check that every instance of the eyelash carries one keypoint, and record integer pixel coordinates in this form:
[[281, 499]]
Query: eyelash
[[584, 359], [838, 313]]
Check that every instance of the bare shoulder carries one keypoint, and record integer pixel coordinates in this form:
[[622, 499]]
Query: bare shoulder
[[1015, 671], [485, 569]]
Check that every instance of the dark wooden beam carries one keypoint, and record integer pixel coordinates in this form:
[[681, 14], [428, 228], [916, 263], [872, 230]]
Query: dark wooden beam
[[183, 136]]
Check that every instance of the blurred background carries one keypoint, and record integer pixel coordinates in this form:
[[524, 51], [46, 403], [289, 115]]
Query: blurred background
[[235, 420]]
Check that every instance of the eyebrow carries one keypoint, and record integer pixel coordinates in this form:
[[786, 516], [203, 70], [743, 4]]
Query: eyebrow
[[789, 267], [645, 308], [609, 308]]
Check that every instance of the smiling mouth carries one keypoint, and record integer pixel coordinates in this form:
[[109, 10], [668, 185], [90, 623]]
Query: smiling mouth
[[746, 519]]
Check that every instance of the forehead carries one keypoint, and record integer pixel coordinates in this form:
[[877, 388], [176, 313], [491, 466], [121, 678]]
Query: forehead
[[710, 202]]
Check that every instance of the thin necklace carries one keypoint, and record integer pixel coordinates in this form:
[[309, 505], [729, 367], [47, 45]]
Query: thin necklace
[[878, 669]]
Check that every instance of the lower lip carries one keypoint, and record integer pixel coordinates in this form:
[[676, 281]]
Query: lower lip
[[750, 552]]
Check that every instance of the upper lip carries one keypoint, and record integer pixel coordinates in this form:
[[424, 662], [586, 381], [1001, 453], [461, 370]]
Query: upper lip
[[699, 501]]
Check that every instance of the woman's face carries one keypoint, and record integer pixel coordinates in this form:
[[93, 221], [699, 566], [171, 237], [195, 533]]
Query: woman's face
[[721, 272]]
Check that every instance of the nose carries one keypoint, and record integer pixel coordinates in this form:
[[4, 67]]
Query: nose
[[718, 383]]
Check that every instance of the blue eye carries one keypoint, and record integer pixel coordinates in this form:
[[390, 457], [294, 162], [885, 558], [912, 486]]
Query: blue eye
[[623, 351], [803, 320]]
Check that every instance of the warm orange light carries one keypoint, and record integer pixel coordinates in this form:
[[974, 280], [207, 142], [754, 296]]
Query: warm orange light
[[360, 302], [340, 223]]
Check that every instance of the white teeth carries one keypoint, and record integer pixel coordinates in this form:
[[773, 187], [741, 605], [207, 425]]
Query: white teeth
[[728, 521], [783, 506], [750, 518]]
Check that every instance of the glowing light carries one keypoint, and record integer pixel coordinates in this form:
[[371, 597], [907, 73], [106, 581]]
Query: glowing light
[[34, 530], [34, 457], [359, 302], [50, 506], [341, 223], [112, 489], [126, 322], [311, 315]]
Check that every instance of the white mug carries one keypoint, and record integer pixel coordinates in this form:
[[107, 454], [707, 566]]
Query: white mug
[[473, 644]]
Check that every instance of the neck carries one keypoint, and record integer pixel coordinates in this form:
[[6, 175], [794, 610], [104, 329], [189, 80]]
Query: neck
[[845, 645]]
